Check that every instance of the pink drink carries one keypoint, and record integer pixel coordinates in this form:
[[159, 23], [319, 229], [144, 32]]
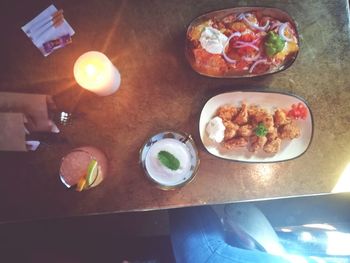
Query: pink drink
[[75, 164]]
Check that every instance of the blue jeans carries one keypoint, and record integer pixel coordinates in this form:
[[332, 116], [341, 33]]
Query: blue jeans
[[197, 237]]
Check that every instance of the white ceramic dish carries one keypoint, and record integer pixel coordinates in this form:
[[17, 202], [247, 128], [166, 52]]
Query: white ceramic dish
[[290, 149]]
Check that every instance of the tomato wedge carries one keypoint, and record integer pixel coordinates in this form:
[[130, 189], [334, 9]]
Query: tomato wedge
[[298, 111]]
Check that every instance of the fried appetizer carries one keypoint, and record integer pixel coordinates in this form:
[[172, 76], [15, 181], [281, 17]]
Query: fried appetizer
[[281, 118], [230, 129], [273, 145], [256, 128], [242, 117], [289, 131], [236, 142], [227, 113], [245, 130], [257, 142]]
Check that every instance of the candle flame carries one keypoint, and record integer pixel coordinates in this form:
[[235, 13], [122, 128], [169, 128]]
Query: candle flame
[[90, 70], [92, 74]]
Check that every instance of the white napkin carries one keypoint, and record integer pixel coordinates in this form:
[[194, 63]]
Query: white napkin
[[40, 30]]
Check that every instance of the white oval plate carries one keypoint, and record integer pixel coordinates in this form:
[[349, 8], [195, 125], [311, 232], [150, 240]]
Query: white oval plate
[[290, 149]]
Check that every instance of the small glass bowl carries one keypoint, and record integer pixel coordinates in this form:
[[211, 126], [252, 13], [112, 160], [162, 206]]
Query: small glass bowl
[[191, 147]]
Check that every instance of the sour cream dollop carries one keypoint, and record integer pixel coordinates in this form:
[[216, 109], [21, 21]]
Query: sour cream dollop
[[162, 174], [212, 40], [216, 129]]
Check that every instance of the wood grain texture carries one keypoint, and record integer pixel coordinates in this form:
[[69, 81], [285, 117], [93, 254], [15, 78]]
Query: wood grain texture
[[159, 91]]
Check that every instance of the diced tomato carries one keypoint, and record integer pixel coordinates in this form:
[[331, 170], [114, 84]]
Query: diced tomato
[[233, 40], [298, 111], [232, 53], [246, 51], [211, 63], [238, 26], [261, 68], [241, 64], [247, 38]]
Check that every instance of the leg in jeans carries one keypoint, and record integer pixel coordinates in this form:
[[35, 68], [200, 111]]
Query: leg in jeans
[[197, 237]]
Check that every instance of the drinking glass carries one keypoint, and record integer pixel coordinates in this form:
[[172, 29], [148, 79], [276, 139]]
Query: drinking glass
[[75, 167]]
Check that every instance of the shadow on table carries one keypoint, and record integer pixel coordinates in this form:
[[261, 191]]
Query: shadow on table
[[130, 236]]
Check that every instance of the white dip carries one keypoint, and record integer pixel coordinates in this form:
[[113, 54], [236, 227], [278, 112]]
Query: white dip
[[216, 129], [162, 174], [212, 40]]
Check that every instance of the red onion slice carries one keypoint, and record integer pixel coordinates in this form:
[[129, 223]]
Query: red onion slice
[[281, 30], [235, 34], [252, 25], [230, 60], [256, 63], [251, 59], [274, 25], [240, 44]]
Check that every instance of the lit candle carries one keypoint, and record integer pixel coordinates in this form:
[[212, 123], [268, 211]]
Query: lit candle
[[95, 72]]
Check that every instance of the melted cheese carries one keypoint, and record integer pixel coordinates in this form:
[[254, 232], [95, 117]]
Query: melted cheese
[[289, 47]]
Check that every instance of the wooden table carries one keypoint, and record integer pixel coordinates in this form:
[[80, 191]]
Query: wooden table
[[159, 91]]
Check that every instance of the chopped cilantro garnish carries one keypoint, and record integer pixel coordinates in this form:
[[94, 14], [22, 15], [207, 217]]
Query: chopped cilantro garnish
[[274, 44], [260, 130]]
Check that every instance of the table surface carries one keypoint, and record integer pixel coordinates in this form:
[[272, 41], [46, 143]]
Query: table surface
[[159, 91]]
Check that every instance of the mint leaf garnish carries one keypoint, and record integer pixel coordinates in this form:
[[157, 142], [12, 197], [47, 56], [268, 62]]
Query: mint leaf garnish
[[169, 160]]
